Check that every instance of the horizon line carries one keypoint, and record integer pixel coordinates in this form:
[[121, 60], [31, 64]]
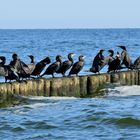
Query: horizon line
[[68, 28]]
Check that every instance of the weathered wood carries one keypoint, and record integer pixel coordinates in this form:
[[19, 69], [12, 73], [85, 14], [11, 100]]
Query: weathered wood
[[92, 84], [69, 86], [83, 86], [47, 87]]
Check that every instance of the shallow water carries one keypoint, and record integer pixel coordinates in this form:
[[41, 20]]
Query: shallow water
[[113, 116]]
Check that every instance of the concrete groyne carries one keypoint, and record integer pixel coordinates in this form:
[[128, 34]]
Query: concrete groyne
[[81, 86]]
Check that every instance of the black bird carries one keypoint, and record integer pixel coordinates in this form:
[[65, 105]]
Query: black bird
[[126, 60], [77, 67], [27, 69], [3, 69], [111, 56], [66, 64], [2, 60], [7, 71], [19, 66], [39, 67], [15, 63], [98, 62], [31, 66], [136, 64], [11, 75], [114, 64], [53, 67]]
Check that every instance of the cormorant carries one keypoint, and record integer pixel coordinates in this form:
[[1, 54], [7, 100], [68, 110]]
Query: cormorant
[[53, 67], [114, 64], [3, 69], [15, 63], [27, 69], [66, 64], [126, 60], [12, 75], [98, 62], [111, 56], [39, 67], [77, 67], [136, 64], [7, 71], [32, 65], [2, 60], [18, 66]]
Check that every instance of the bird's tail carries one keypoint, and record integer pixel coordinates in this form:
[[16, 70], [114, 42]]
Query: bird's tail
[[41, 75]]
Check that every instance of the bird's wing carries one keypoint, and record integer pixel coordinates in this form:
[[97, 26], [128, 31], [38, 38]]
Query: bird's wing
[[76, 67], [31, 67], [24, 67], [137, 62], [2, 71], [53, 67], [67, 64]]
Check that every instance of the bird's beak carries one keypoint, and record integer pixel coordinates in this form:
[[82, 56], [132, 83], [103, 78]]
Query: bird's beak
[[118, 55], [102, 51], [73, 54], [109, 51]]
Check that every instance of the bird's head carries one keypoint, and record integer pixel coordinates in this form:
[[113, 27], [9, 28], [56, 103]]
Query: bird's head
[[101, 51], [122, 47], [15, 56], [70, 55], [81, 58], [47, 60], [111, 52], [31, 56], [58, 58]]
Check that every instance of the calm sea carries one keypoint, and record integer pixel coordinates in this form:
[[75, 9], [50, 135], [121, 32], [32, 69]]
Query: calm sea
[[114, 116]]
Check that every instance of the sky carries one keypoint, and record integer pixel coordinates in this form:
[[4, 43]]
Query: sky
[[50, 14]]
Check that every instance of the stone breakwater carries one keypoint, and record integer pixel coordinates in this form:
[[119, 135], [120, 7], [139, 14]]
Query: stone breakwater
[[82, 86]]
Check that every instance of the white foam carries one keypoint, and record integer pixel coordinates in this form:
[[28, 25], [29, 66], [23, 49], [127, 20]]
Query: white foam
[[50, 98], [36, 105], [124, 91], [40, 101]]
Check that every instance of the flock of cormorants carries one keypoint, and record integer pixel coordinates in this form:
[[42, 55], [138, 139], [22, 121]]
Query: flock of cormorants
[[18, 70]]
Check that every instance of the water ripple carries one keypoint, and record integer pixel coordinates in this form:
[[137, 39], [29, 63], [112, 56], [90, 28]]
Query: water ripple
[[38, 125], [124, 122], [115, 116], [17, 129]]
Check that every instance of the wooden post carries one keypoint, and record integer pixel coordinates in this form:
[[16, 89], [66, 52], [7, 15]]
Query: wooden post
[[93, 83], [83, 86], [47, 87], [114, 77]]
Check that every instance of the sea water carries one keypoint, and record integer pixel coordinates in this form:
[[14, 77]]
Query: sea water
[[113, 116], [110, 117]]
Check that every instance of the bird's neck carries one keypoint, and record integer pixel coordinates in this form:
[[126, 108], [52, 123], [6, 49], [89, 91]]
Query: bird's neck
[[81, 60], [59, 60], [70, 59], [32, 60], [2, 63]]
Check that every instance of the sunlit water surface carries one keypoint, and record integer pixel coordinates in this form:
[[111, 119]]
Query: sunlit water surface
[[115, 115]]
